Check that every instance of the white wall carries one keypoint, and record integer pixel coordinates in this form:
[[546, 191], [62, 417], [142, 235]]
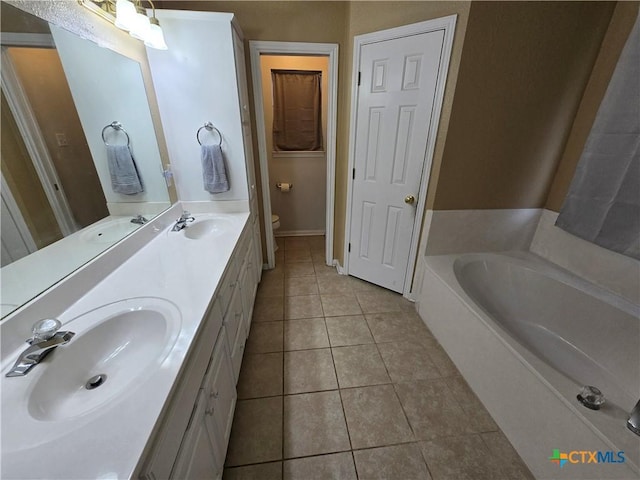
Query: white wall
[[301, 210], [195, 82], [107, 86]]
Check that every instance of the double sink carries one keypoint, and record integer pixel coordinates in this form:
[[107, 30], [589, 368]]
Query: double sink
[[110, 361]]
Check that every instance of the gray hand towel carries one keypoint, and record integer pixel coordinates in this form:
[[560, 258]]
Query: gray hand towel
[[123, 171], [214, 173]]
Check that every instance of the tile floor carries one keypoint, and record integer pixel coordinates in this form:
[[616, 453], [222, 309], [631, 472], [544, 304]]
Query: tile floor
[[342, 380]]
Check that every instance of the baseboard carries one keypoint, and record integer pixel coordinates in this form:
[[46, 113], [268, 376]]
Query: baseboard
[[299, 233]]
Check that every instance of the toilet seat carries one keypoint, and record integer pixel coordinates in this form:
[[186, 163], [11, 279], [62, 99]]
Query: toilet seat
[[275, 222]]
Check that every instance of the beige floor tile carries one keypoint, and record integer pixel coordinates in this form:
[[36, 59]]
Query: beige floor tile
[[262, 471], [441, 360], [260, 375], [299, 269], [334, 284], [385, 301], [302, 306], [358, 285], [279, 256], [309, 371], [297, 255], [293, 243], [506, 456], [476, 414], [407, 361], [305, 333], [401, 462], [317, 242], [314, 424], [278, 271], [359, 365], [339, 305], [273, 287], [318, 255], [337, 466], [398, 327], [268, 309], [256, 435], [322, 269], [348, 330], [432, 409], [266, 337], [375, 417], [301, 286], [460, 458]]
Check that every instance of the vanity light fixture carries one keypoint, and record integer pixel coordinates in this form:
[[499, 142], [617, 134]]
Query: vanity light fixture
[[131, 16]]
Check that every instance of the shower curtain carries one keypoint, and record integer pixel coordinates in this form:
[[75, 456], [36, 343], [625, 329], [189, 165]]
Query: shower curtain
[[603, 203]]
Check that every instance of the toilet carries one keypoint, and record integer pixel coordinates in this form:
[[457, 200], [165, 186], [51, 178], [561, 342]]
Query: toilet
[[275, 224]]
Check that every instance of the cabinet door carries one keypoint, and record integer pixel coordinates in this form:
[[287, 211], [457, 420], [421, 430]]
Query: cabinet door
[[233, 320], [196, 459], [220, 390]]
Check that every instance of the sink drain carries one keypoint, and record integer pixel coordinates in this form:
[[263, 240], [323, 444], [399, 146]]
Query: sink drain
[[591, 397], [95, 381]]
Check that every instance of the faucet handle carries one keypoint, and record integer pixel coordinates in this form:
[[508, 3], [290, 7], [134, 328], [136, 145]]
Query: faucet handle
[[45, 329]]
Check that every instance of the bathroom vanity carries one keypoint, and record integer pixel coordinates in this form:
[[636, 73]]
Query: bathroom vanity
[[146, 388], [167, 328]]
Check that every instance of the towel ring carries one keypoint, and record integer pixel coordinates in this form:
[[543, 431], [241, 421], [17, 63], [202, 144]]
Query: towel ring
[[209, 126], [116, 126]]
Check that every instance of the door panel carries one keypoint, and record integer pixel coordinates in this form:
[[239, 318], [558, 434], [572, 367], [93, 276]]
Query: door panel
[[394, 112]]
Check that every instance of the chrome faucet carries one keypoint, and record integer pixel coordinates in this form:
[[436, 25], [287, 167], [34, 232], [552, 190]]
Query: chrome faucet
[[633, 422], [140, 220], [181, 223], [46, 337]]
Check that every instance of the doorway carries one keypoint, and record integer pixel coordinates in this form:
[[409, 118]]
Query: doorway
[[399, 79], [311, 211]]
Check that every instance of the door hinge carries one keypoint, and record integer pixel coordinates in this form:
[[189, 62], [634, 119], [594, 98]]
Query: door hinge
[[359, 77], [353, 174], [349, 249]]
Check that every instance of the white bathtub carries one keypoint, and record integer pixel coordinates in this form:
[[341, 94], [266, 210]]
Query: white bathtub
[[527, 335]]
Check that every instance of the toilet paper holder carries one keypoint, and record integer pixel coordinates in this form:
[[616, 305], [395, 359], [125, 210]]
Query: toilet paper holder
[[280, 184]]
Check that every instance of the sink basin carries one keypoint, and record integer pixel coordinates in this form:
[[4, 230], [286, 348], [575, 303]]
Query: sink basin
[[109, 231], [207, 228], [127, 339]]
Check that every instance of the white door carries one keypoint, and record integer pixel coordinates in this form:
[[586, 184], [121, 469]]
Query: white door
[[396, 95], [17, 241]]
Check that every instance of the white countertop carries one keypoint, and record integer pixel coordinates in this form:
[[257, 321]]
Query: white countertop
[[110, 444]]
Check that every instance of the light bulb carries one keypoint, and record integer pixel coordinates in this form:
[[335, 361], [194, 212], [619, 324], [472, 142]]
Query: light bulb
[[155, 36], [140, 27], [125, 13]]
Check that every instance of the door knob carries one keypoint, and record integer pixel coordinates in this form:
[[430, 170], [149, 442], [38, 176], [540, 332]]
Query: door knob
[[410, 199]]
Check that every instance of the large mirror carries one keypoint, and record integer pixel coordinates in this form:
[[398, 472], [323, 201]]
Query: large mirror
[[70, 186]]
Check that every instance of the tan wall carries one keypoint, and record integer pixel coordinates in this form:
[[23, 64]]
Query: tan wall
[[45, 85], [621, 24], [524, 68], [24, 183]]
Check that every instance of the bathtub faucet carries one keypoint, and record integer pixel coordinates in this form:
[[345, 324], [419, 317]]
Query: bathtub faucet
[[633, 422]]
